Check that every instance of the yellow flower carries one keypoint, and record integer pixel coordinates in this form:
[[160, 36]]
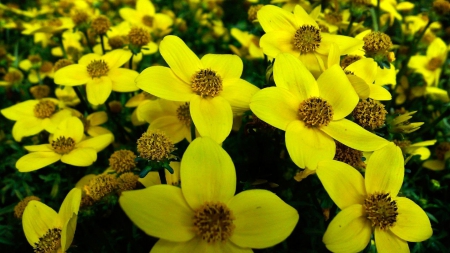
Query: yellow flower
[[92, 122], [298, 34], [101, 74], [145, 16], [47, 230], [172, 117], [212, 85], [138, 101], [37, 71], [372, 204], [430, 66], [33, 116], [72, 45], [442, 153], [249, 42], [67, 145], [251, 219], [67, 96], [312, 112]]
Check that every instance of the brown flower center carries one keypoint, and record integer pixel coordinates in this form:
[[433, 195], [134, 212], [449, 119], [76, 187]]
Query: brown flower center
[[46, 67], [315, 112], [13, 77], [442, 149], [44, 109], [206, 83], [50, 242], [184, 114], [101, 185], [116, 42], [376, 42], [97, 68], [20, 207], [139, 36], [63, 145], [434, 63], [349, 156], [349, 59], [381, 210], [122, 161], [155, 145], [40, 91], [214, 222], [307, 39], [370, 114], [101, 25]]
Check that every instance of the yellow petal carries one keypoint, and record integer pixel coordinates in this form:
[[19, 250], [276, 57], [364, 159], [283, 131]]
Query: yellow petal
[[262, 219], [291, 74], [68, 232], [117, 58], [88, 58], [71, 127], [56, 119], [26, 127], [171, 126], [360, 86], [308, 146], [349, 231], [162, 82], [276, 106], [337, 90], [273, 43], [197, 245], [387, 242], [70, 205], [212, 117], [180, 58], [273, 18], [97, 118], [302, 18], [353, 135], [148, 209], [173, 179], [152, 178], [145, 6], [238, 93], [385, 170], [346, 44], [128, 14], [39, 148], [337, 177], [207, 173], [225, 65], [98, 90], [334, 56], [123, 79], [365, 68], [413, 224], [97, 130], [418, 61], [81, 157], [434, 165], [20, 110], [377, 92], [75, 74], [437, 49], [98, 143], [36, 160], [37, 219]]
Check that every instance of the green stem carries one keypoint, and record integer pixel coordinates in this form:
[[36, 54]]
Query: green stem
[[378, 14], [62, 46], [83, 101], [374, 19], [349, 28], [162, 175], [38, 75], [87, 41], [131, 62], [102, 43]]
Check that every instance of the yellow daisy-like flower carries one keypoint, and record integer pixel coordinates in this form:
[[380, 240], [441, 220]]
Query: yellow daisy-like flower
[[298, 34], [67, 145], [49, 231], [145, 16], [372, 204], [33, 116], [101, 74], [205, 214], [312, 112], [172, 117], [212, 85], [430, 65]]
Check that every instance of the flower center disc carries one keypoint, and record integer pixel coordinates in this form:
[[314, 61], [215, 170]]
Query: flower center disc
[[307, 39], [206, 83], [315, 112], [44, 109], [63, 145], [155, 145], [97, 68], [50, 242], [434, 63], [381, 210], [184, 114], [214, 222]]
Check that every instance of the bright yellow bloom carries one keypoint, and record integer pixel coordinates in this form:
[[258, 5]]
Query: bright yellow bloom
[[33, 116], [67, 145], [212, 85], [46, 229], [138, 101], [372, 204], [145, 16], [298, 34], [430, 65], [172, 117], [249, 42], [251, 219], [312, 112], [92, 122], [72, 45], [101, 74]]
